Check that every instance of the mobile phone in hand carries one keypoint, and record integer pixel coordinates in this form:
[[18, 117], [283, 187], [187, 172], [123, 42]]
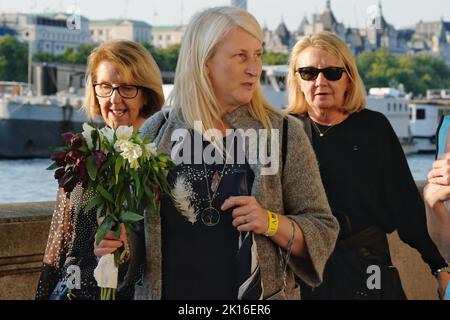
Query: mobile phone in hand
[[443, 136]]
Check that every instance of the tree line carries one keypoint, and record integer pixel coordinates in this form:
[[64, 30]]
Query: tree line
[[379, 68]]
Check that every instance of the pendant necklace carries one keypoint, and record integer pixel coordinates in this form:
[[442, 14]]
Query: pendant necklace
[[321, 134], [211, 216]]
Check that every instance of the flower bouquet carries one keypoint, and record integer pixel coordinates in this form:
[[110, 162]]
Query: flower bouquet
[[125, 173]]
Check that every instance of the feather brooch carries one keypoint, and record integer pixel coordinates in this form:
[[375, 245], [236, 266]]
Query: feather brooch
[[182, 196]]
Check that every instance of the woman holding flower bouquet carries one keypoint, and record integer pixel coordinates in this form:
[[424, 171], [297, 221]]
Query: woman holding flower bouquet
[[124, 86], [230, 229]]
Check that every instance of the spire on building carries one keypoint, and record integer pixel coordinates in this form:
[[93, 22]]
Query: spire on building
[[328, 5]]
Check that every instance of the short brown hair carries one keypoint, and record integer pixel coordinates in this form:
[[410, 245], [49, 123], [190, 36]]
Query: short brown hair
[[135, 64]]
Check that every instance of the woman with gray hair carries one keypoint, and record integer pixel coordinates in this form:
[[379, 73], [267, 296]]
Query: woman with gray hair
[[233, 229]]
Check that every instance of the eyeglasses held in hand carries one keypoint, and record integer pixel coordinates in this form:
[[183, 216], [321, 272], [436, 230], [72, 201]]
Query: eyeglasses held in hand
[[105, 90], [330, 73]]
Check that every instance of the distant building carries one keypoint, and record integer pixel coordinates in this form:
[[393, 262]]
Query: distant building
[[50, 32], [355, 40], [242, 4], [432, 38], [277, 41], [125, 29], [381, 34], [325, 21], [166, 36]]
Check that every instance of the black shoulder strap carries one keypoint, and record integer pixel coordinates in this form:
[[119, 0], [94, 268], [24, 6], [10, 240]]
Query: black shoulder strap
[[284, 141]]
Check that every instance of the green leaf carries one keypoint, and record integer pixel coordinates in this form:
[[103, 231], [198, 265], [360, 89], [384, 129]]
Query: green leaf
[[103, 229], [120, 189], [136, 180], [95, 138], [53, 166], [95, 201], [117, 254], [83, 149], [91, 168], [148, 191], [129, 216], [100, 211], [117, 167], [105, 194]]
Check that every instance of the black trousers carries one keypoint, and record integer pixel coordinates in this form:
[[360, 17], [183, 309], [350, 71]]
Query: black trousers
[[360, 268]]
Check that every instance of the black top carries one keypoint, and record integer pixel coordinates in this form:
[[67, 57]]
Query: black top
[[368, 181], [71, 242], [199, 261]]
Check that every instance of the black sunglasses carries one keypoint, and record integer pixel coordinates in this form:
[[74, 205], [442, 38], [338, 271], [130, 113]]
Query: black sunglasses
[[311, 73]]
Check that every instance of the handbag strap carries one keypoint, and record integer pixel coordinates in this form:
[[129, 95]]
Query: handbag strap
[[284, 142]]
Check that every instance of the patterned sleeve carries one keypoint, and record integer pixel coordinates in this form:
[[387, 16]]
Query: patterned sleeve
[[58, 243]]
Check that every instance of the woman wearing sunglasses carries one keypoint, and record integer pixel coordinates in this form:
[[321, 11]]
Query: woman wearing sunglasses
[[365, 174]]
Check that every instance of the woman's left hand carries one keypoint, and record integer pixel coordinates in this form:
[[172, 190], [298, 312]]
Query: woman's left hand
[[440, 171], [248, 215], [434, 193]]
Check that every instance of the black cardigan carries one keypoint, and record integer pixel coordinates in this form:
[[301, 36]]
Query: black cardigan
[[367, 178]]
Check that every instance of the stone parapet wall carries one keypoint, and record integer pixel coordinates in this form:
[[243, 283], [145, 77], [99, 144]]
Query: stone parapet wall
[[24, 230]]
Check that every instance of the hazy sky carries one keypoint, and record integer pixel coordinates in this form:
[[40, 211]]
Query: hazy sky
[[400, 13]]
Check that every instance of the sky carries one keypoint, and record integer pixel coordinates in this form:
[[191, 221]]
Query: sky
[[353, 13]]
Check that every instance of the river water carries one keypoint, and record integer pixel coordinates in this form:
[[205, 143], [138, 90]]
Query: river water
[[27, 180]]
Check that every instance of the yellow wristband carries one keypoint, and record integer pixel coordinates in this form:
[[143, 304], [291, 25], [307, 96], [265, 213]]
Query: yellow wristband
[[273, 224]]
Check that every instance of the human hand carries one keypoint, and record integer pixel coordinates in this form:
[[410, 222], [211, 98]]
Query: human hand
[[434, 193], [440, 172], [111, 243], [248, 215]]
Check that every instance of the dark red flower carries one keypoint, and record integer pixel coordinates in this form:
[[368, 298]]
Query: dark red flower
[[68, 182], [59, 173], [100, 157], [59, 158], [72, 156], [80, 168], [67, 136], [75, 142]]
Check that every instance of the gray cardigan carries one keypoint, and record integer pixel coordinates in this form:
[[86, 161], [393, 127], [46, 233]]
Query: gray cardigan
[[296, 191]]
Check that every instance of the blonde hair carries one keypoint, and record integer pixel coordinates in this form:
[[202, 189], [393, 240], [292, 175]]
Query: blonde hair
[[355, 96], [193, 94], [135, 65]]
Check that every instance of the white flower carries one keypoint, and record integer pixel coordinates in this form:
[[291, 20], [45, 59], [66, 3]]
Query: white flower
[[106, 272], [124, 133], [150, 150], [108, 133], [87, 130], [130, 151]]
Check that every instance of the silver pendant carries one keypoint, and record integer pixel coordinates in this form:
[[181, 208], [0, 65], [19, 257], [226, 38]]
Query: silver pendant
[[210, 216], [321, 134]]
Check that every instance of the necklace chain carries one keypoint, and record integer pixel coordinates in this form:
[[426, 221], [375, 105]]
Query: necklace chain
[[211, 199], [321, 134]]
